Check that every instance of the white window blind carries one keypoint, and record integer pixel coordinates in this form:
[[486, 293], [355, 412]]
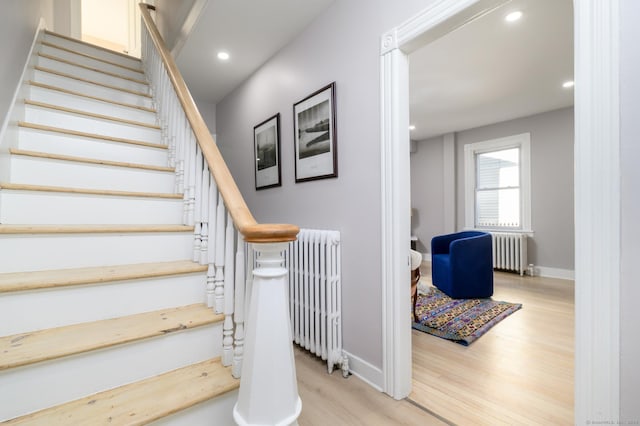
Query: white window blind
[[498, 189], [498, 184]]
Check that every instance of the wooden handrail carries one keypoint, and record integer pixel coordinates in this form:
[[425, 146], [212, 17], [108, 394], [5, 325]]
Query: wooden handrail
[[233, 200]]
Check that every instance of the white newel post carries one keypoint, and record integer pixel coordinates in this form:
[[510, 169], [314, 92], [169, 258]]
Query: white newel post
[[268, 387]]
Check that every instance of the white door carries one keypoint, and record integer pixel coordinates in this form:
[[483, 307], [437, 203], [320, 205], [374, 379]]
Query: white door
[[113, 24]]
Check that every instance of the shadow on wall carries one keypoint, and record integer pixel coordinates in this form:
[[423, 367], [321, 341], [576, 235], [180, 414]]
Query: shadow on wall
[[421, 246]]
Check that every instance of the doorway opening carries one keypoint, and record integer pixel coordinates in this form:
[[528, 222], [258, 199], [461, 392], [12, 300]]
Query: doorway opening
[[597, 232], [114, 25]]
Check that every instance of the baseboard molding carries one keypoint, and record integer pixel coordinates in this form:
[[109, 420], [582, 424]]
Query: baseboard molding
[[563, 274], [365, 371], [542, 271]]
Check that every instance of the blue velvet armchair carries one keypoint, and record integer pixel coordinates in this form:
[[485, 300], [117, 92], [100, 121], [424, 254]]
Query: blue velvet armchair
[[462, 264]]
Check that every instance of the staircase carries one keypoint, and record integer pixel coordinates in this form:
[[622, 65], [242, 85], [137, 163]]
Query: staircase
[[102, 312]]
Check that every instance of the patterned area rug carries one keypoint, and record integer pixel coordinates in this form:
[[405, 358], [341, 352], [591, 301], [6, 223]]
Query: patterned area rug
[[459, 320]]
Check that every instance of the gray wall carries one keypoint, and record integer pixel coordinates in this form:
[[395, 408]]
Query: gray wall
[[630, 208], [19, 20], [552, 139], [551, 184], [208, 112], [342, 45], [427, 192]]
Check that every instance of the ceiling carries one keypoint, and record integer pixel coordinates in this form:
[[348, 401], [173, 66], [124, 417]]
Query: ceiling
[[490, 70], [250, 31], [484, 72]]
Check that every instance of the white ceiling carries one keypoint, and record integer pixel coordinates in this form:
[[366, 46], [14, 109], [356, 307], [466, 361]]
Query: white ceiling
[[484, 72], [251, 31], [490, 70]]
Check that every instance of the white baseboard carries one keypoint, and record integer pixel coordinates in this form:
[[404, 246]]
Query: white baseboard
[[365, 371], [542, 271], [563, 274]]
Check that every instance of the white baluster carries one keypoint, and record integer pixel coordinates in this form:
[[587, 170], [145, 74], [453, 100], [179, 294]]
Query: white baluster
[[211, 255], [229, 274], [197, 197], [238, 315], [204, 214], [219, 262], [192, 176], [268, 388], [179, 153], [187, 172]]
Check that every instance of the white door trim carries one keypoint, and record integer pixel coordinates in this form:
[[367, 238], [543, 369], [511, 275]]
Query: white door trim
[[597, 196], [430, 24], [597, 210]]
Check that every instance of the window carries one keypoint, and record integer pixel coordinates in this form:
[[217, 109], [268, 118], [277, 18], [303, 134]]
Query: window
[[497, 184]]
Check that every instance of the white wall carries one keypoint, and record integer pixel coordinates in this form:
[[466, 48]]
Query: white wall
[[630, 212], [18, 23], [170, 15], [342, 46]]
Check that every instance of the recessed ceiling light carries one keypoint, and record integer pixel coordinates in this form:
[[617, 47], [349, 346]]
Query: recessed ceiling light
[[412, 127], [568, 84], [223, 56], [513, 16]]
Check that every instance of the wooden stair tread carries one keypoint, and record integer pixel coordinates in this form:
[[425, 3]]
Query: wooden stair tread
[[109, 192], [88, 135], [42, 345], [46, 155], [95, 98], [91, 229], [23, 281], [141, 402], [90, 114], [86, 80], [91, 45], [76, 64]]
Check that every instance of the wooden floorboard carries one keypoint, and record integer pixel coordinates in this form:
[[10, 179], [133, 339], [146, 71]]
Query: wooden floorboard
[[334, 400], [520, 372]]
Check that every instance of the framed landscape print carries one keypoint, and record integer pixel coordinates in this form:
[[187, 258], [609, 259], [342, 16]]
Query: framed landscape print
[[266, 148], [314, 129]]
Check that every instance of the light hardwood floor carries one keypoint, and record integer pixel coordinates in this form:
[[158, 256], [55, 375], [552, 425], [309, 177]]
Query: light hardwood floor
[[333, 400], [520, 372]]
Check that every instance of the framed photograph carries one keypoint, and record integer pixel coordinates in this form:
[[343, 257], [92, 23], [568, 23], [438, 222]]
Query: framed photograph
[[314, 130], [266, 144]]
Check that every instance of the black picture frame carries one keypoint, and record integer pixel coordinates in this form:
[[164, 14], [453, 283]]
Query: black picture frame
[[314, 135], [266, 151]]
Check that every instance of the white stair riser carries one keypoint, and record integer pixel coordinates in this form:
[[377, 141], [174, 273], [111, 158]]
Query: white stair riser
[[53, 382], [217, 411], [91, 75], [55, 118], [43, 171], [56, 143], [100, 53], [66, 100], [91, 89], [60, 251], [89, 62], [47, 308], [42, 208]]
